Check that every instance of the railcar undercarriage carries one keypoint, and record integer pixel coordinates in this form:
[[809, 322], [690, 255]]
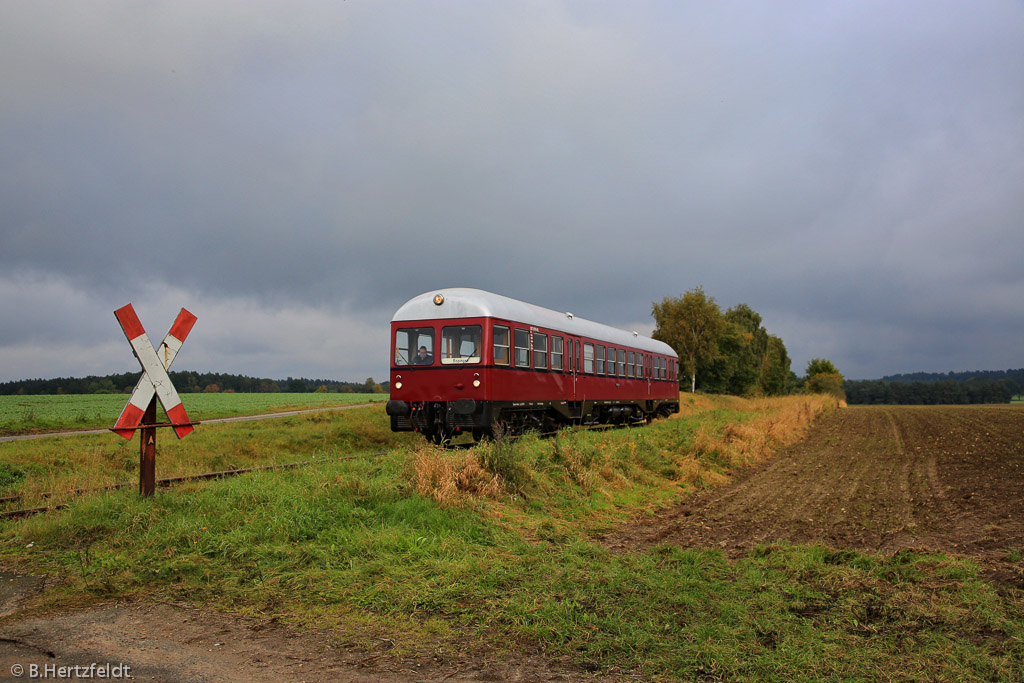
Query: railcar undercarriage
[[440, 421]]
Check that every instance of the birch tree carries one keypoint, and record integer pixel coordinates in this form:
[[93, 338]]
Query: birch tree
[[691, 325]]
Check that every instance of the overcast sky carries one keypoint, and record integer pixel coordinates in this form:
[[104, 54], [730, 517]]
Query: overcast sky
[[292, 172]]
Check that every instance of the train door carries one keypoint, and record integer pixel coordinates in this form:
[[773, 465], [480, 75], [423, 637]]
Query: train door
[[574, 353]]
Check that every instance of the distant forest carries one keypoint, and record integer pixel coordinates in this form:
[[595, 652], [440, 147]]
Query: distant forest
[[930, 388], [187, 382], [919, 388]]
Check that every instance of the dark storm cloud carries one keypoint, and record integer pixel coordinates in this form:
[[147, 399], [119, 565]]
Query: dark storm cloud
[[850, 170]]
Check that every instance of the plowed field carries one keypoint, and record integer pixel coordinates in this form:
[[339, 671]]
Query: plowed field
[[874, 478]]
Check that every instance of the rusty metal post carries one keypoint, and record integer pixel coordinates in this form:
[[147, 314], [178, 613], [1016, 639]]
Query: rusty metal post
[[147, 452]]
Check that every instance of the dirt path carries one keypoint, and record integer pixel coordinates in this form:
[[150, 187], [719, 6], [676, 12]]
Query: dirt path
[[175, 644], [879, 478]]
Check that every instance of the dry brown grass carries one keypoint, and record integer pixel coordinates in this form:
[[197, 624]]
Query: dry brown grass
[[452, 477], [780, 422], [446, 476]]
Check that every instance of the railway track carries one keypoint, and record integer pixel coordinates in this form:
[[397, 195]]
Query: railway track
[[163, 483]]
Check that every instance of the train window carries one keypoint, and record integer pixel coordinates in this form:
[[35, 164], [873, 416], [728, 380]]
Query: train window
[[588, 357], [556, 353], [460, 344], [414, 346], [611, 361], [663, 374], [522, 348], [501, 345], [630, 364], [600, 360], [622, 362], [540, 350]]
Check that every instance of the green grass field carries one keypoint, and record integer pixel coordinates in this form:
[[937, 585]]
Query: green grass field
[[494, 548], [27, 414]]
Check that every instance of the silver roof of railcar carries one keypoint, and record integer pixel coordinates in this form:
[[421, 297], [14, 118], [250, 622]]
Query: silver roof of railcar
[[462, 302]]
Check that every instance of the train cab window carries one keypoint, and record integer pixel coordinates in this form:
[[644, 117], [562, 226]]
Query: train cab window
[[630, 364], [600, 360], [540, 350], [588, 358], [414, 346], [556, 353], [622, 362], [461, 344], [522, 348], [502, 343]]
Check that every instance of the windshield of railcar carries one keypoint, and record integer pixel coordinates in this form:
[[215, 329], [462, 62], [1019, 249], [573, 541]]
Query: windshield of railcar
[[461, 344], [414, 346]]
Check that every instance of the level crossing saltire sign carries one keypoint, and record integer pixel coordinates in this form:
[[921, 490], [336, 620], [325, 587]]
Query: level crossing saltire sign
[[154, 380]]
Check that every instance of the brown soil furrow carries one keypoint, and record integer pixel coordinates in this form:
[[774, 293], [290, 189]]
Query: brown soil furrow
[[875, 478]]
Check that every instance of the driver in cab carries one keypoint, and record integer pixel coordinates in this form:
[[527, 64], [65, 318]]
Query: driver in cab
[[422, 357]]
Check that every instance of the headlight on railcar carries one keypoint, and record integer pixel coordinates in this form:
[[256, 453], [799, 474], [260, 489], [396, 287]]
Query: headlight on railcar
[[476, 383], [476, 379]]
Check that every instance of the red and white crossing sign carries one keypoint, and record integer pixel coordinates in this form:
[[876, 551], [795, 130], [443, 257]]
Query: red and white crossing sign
[[154, 380]]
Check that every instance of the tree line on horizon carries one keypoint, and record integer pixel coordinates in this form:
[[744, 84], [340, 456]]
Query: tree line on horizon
[[942, 392], [1014, 375], [189, 382]]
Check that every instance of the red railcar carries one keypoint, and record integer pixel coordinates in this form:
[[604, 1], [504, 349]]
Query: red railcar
[[465, 360]]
